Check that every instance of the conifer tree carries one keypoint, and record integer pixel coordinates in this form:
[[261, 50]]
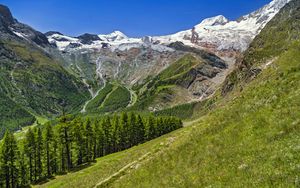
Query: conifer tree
[[116, 133], [39, 153], [124, 131], [140, 129], [49, 148], [9, 160], [106, 125], [151, 128], [65, 145], [30, 151], [23, 172], [89, 134], [78, 132], [132, 129]]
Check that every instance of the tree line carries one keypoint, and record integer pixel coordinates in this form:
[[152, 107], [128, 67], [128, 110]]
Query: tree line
[[50, 150]]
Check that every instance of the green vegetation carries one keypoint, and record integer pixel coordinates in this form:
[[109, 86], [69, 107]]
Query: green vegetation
[[98, 100], [168, 87], [34, 83], [111, 98], [184, 111], [117, 99], [249, 139], [13, 117], [74, 142]]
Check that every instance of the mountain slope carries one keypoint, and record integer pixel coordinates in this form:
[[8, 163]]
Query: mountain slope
[[191, 78], [133, 62], [250, 140], [31, 78]]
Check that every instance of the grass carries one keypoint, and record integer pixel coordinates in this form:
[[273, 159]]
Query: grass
[[108, 165], [249, 139], [252, 141], [98, 100], [119, 98]]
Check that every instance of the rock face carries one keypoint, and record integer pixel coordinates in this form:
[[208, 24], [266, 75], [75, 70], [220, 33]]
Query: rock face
[[11, 28], [5, 15], [88, 38]]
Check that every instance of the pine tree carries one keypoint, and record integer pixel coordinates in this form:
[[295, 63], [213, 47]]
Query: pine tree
[[23, 170], [140, 129], [30, 151], [78, 140], [116, 133], [9, 160], [89, 135], [39, 153], [49, 147], [99, 138], [65, 145], [124, 131], [132, 129], [151, 128], [106, 125]]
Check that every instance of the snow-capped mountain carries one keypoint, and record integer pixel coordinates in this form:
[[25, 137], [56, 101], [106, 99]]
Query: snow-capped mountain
[[218, 33], [215, 34], [115, 40]]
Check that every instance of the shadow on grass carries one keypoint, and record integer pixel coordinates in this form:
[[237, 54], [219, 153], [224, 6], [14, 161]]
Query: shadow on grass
[[73, 170]]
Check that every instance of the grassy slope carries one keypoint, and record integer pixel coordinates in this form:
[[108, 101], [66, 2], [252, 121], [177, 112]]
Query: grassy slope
[[98, 100], [250, 140], [167, 87], [117, 99], [34, 83], [111, 98], [108, 165], [12, 115]]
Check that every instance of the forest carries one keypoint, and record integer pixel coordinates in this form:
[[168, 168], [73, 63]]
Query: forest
[[73, 142]]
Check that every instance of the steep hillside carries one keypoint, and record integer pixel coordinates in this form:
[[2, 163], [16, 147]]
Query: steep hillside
[[191, 78], [97, 59], [251, 139], [31, 79]]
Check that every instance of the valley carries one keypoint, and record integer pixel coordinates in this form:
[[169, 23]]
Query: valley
[[212, 106]]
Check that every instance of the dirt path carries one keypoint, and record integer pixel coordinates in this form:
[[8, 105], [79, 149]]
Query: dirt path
[[135, 164], [133, 97], [87, 102], [122, 171]]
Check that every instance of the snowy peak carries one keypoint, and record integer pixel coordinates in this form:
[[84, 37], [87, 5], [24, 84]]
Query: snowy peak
[[220, 34], [216, 34], [266, 13], [213, 21], [114, 36]]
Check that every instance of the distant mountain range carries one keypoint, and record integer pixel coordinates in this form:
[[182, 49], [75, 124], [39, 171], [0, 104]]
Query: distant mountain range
[[215, 34], [46, 74]]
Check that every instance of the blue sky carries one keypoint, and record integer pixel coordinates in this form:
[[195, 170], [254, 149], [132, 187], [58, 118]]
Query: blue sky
[[133, 17]]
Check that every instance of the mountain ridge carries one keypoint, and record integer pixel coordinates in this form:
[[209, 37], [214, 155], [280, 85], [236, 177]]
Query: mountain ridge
[[212, 32]]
